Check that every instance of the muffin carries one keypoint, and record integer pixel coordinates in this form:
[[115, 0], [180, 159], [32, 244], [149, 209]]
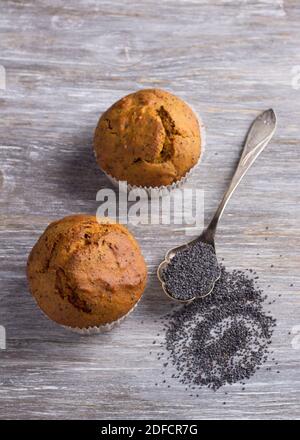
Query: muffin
[[86, 275], [149, 139]]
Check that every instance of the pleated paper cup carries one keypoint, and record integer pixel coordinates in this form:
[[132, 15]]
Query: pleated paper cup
[[96, 330]]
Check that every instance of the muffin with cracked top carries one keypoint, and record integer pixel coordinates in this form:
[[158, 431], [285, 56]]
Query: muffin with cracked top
[[86, 275], [149, 138]]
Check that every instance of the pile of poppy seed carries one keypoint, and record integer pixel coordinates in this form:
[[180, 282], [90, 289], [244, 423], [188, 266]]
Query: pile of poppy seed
[[191, 272], [221, 339]]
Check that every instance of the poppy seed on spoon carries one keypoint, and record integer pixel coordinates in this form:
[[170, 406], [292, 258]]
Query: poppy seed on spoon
[[191, 273]]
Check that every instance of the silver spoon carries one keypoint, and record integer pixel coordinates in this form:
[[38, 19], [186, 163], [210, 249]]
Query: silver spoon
[[259, 135]]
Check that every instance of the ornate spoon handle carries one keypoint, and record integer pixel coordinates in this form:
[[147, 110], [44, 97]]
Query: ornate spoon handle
[[257, 139]]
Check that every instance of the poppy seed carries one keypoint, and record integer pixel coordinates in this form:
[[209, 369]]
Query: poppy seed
[[222, 338], [191, 272]]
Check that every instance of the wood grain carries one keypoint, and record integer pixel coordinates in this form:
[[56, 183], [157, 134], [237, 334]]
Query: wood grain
[[65, 63]]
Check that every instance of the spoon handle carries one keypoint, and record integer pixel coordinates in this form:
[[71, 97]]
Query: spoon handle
[[257, 139]]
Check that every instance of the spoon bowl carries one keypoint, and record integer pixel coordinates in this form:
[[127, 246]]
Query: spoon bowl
[[168, 257]]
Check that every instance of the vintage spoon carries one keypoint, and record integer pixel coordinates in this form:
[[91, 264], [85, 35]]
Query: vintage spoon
[[259, 135]]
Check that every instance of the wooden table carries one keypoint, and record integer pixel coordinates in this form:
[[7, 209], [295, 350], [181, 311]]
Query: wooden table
[[65, 63]]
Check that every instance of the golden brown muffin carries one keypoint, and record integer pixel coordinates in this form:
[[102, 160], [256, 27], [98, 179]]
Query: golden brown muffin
[[85, 274], [149, 138]]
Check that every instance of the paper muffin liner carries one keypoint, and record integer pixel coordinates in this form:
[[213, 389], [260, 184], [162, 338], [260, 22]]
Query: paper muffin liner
[[95, 330], [160, 191]]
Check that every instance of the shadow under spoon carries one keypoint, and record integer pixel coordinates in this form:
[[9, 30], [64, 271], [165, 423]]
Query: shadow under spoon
[[191, 270]]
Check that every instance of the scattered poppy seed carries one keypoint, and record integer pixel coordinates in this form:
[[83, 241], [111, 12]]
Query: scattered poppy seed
[[222, 338]]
